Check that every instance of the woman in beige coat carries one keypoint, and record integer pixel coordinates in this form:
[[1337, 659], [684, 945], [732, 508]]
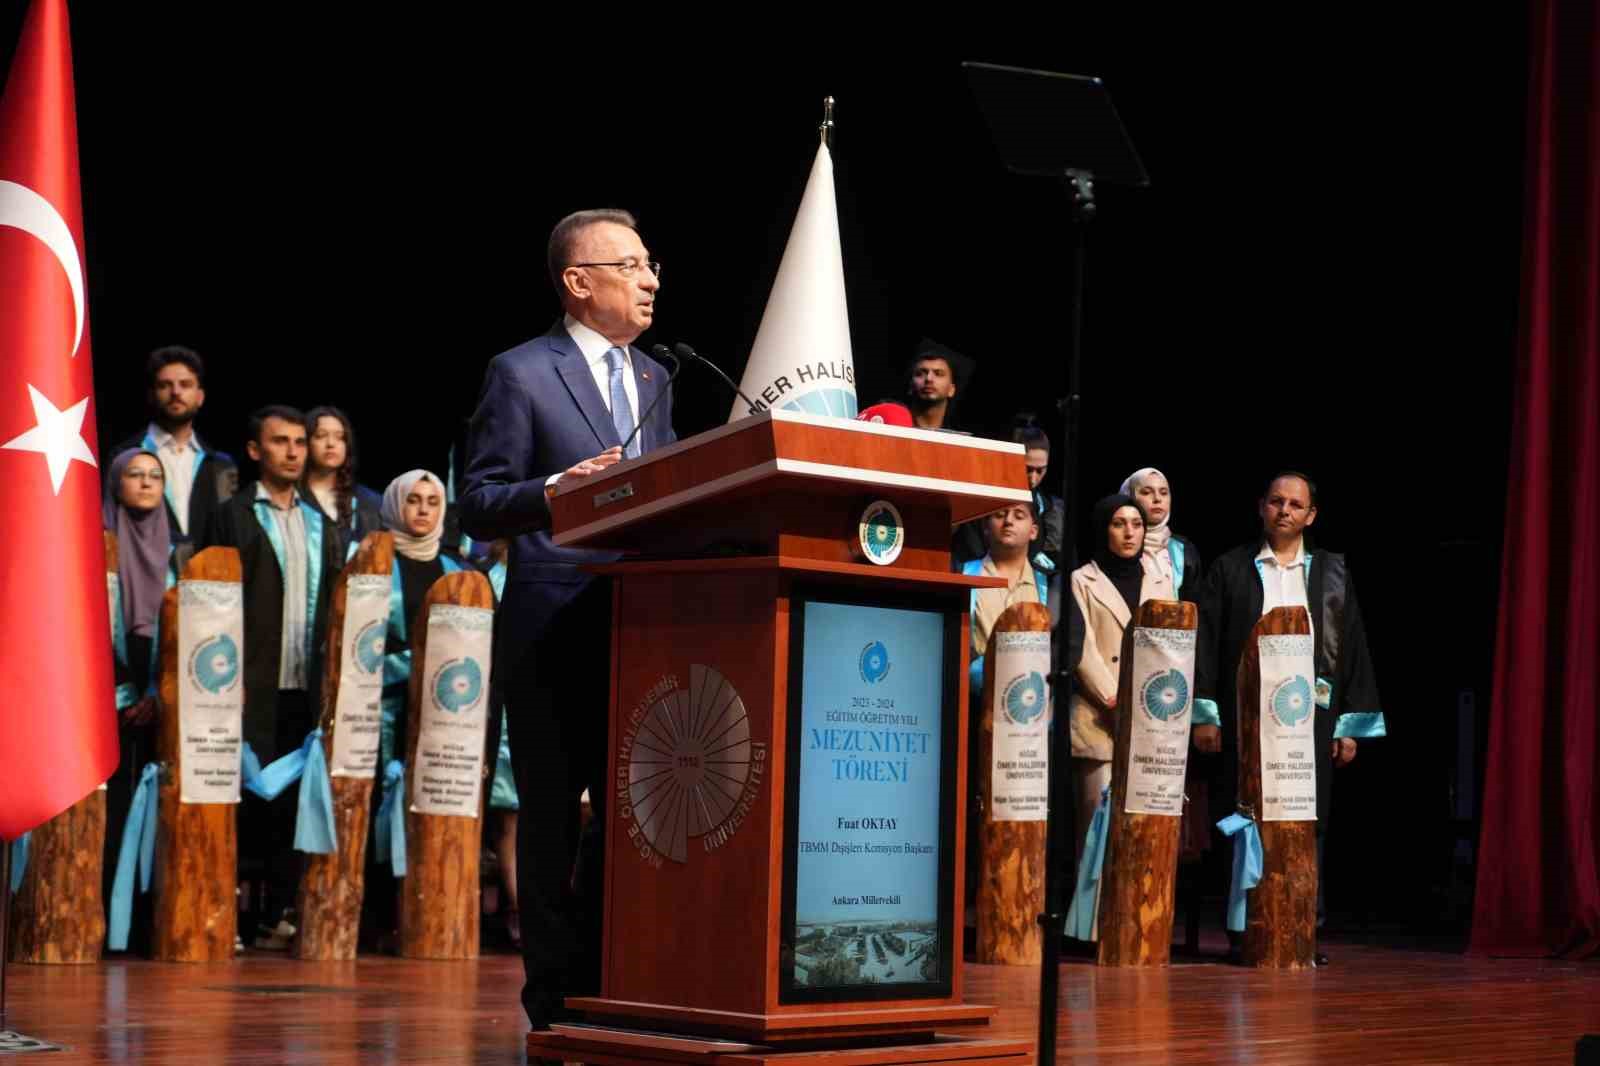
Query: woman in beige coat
[[1107, 589]]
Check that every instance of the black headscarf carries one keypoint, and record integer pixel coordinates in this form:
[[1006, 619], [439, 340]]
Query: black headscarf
[[1126, 574]]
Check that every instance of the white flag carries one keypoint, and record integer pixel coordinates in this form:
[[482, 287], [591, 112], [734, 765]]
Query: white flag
[[801, 358]]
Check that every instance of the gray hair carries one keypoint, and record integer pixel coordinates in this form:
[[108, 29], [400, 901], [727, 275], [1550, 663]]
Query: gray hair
[[564, 238]]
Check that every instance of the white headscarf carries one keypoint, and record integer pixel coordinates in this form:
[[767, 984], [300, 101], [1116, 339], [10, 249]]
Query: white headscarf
[[1155, 536], [422, 549]]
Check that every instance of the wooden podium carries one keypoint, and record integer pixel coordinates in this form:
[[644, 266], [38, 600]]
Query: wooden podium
[[739, 683]]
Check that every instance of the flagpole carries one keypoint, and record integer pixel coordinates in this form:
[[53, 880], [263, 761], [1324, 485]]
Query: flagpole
[[5, 925]]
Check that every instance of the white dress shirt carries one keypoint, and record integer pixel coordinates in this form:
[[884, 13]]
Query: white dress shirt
[[594, 347], [290, 523], [1285, 586], [177, 466]]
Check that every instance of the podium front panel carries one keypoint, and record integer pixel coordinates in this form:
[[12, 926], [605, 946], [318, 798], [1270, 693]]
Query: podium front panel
[[870, 812]]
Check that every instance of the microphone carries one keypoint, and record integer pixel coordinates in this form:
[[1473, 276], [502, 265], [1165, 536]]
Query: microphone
[[689, 355], [660, 351]]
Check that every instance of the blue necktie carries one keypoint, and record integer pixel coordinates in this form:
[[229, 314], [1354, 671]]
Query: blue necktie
[[621, 410]]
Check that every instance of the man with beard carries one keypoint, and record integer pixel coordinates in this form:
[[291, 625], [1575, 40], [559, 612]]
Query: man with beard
[[197, 477], [290, 555], [933, 379]]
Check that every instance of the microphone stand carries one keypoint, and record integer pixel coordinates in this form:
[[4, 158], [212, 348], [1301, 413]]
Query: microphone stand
[[660, 351], [690, 355]]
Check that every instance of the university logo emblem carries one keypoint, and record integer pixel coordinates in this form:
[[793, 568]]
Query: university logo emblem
[[1025, 698], [370, 643], [214, 665], [882, 533], [458, 684], [1291, 701], [1166, 696], [687, 767], [874, 662]]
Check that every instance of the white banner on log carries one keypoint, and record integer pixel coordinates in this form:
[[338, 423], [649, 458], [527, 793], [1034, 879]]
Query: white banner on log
[[1288, 730], [448, 775], [357, 715], [210, 690], [1018, 783], [1158, 735]]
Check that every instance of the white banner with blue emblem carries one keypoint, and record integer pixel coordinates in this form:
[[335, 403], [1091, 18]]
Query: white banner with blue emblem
[[447, 776], [1288, 737], [358, 719], [1019, 787], [210, 690], [1158, 734]]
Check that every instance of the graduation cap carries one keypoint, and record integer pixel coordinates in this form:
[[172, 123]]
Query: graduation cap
[[961, 366]]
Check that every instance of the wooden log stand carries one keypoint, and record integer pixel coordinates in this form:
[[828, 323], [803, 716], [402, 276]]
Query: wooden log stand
[[1011, 854], [1141, 862], [196, 876], [333, 886], [439, 894], [1281, 926]]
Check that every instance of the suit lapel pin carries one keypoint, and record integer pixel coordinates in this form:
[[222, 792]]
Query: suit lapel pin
[[645, 374]]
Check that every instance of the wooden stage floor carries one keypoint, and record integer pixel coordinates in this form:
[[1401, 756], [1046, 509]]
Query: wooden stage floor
[[1374, 1006]]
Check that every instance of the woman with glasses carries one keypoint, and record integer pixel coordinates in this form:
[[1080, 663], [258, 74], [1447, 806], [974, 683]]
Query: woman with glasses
[[134, 511]]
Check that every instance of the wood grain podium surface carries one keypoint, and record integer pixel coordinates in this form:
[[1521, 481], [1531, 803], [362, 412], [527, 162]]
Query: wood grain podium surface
[[1374, 1006]]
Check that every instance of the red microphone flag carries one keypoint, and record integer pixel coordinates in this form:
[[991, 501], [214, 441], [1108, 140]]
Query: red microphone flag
[[58, 732]]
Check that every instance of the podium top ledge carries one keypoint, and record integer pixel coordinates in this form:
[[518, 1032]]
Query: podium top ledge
[[752, 422]]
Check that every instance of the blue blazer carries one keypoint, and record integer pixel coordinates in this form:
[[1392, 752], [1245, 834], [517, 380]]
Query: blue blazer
[[540, 412]]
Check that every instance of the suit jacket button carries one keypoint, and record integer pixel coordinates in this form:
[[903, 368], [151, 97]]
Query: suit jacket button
[[1113, 658]]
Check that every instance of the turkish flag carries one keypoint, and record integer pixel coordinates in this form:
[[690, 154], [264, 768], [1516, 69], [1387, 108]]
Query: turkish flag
[[58, 730]]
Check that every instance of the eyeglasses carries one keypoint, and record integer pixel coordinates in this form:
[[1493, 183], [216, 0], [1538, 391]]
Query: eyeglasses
[[628, 267], [143, 475]]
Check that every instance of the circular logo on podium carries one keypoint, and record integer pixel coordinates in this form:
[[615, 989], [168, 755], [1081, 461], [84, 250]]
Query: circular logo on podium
[[693, 770], [882, 533], [214, 664], [1025, 698], [874, 662], [1166, 696], [369, 646], [1291, 701], [458, 684]]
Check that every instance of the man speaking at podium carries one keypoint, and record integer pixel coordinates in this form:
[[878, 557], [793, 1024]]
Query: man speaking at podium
[[562, 406]]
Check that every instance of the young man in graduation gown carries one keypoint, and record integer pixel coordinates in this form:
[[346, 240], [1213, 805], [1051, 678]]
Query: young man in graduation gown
[[197, 477], [1281, 570], [560, 407], [290, 556]]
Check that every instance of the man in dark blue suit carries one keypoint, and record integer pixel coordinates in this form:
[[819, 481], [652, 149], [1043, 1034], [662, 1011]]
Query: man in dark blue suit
[[556, 408]]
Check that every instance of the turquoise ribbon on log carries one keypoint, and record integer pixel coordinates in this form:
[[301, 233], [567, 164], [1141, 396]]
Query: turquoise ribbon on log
[[19, 861], [1247, 865], [313, 827], [391, 836], [1081, 915], [138, 849]]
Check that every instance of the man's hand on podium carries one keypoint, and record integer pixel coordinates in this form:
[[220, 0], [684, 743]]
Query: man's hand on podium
[[1344, 751], [585, 468], [1208, 738]]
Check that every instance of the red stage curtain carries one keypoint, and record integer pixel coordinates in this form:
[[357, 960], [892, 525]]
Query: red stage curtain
[[1538, 875]]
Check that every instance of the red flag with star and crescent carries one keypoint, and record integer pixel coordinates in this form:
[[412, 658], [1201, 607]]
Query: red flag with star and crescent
[[58, 732]]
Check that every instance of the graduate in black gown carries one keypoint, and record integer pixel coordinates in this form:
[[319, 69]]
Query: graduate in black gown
[[1279, 569]]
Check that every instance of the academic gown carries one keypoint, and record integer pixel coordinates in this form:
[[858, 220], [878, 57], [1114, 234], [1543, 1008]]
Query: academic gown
[[1230, 602]]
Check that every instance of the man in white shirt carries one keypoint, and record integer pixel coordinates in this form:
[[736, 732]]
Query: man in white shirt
[[1282, 569], [198, 478]]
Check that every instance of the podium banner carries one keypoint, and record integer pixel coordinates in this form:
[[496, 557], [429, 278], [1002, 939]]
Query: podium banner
[[210, 690], [1158, 735], [1019, 769], [1288, 738], [447, 776], [357, 716]]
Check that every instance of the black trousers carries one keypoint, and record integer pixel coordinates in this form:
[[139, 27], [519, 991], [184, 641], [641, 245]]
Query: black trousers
[[557, 700], [267, 859]]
